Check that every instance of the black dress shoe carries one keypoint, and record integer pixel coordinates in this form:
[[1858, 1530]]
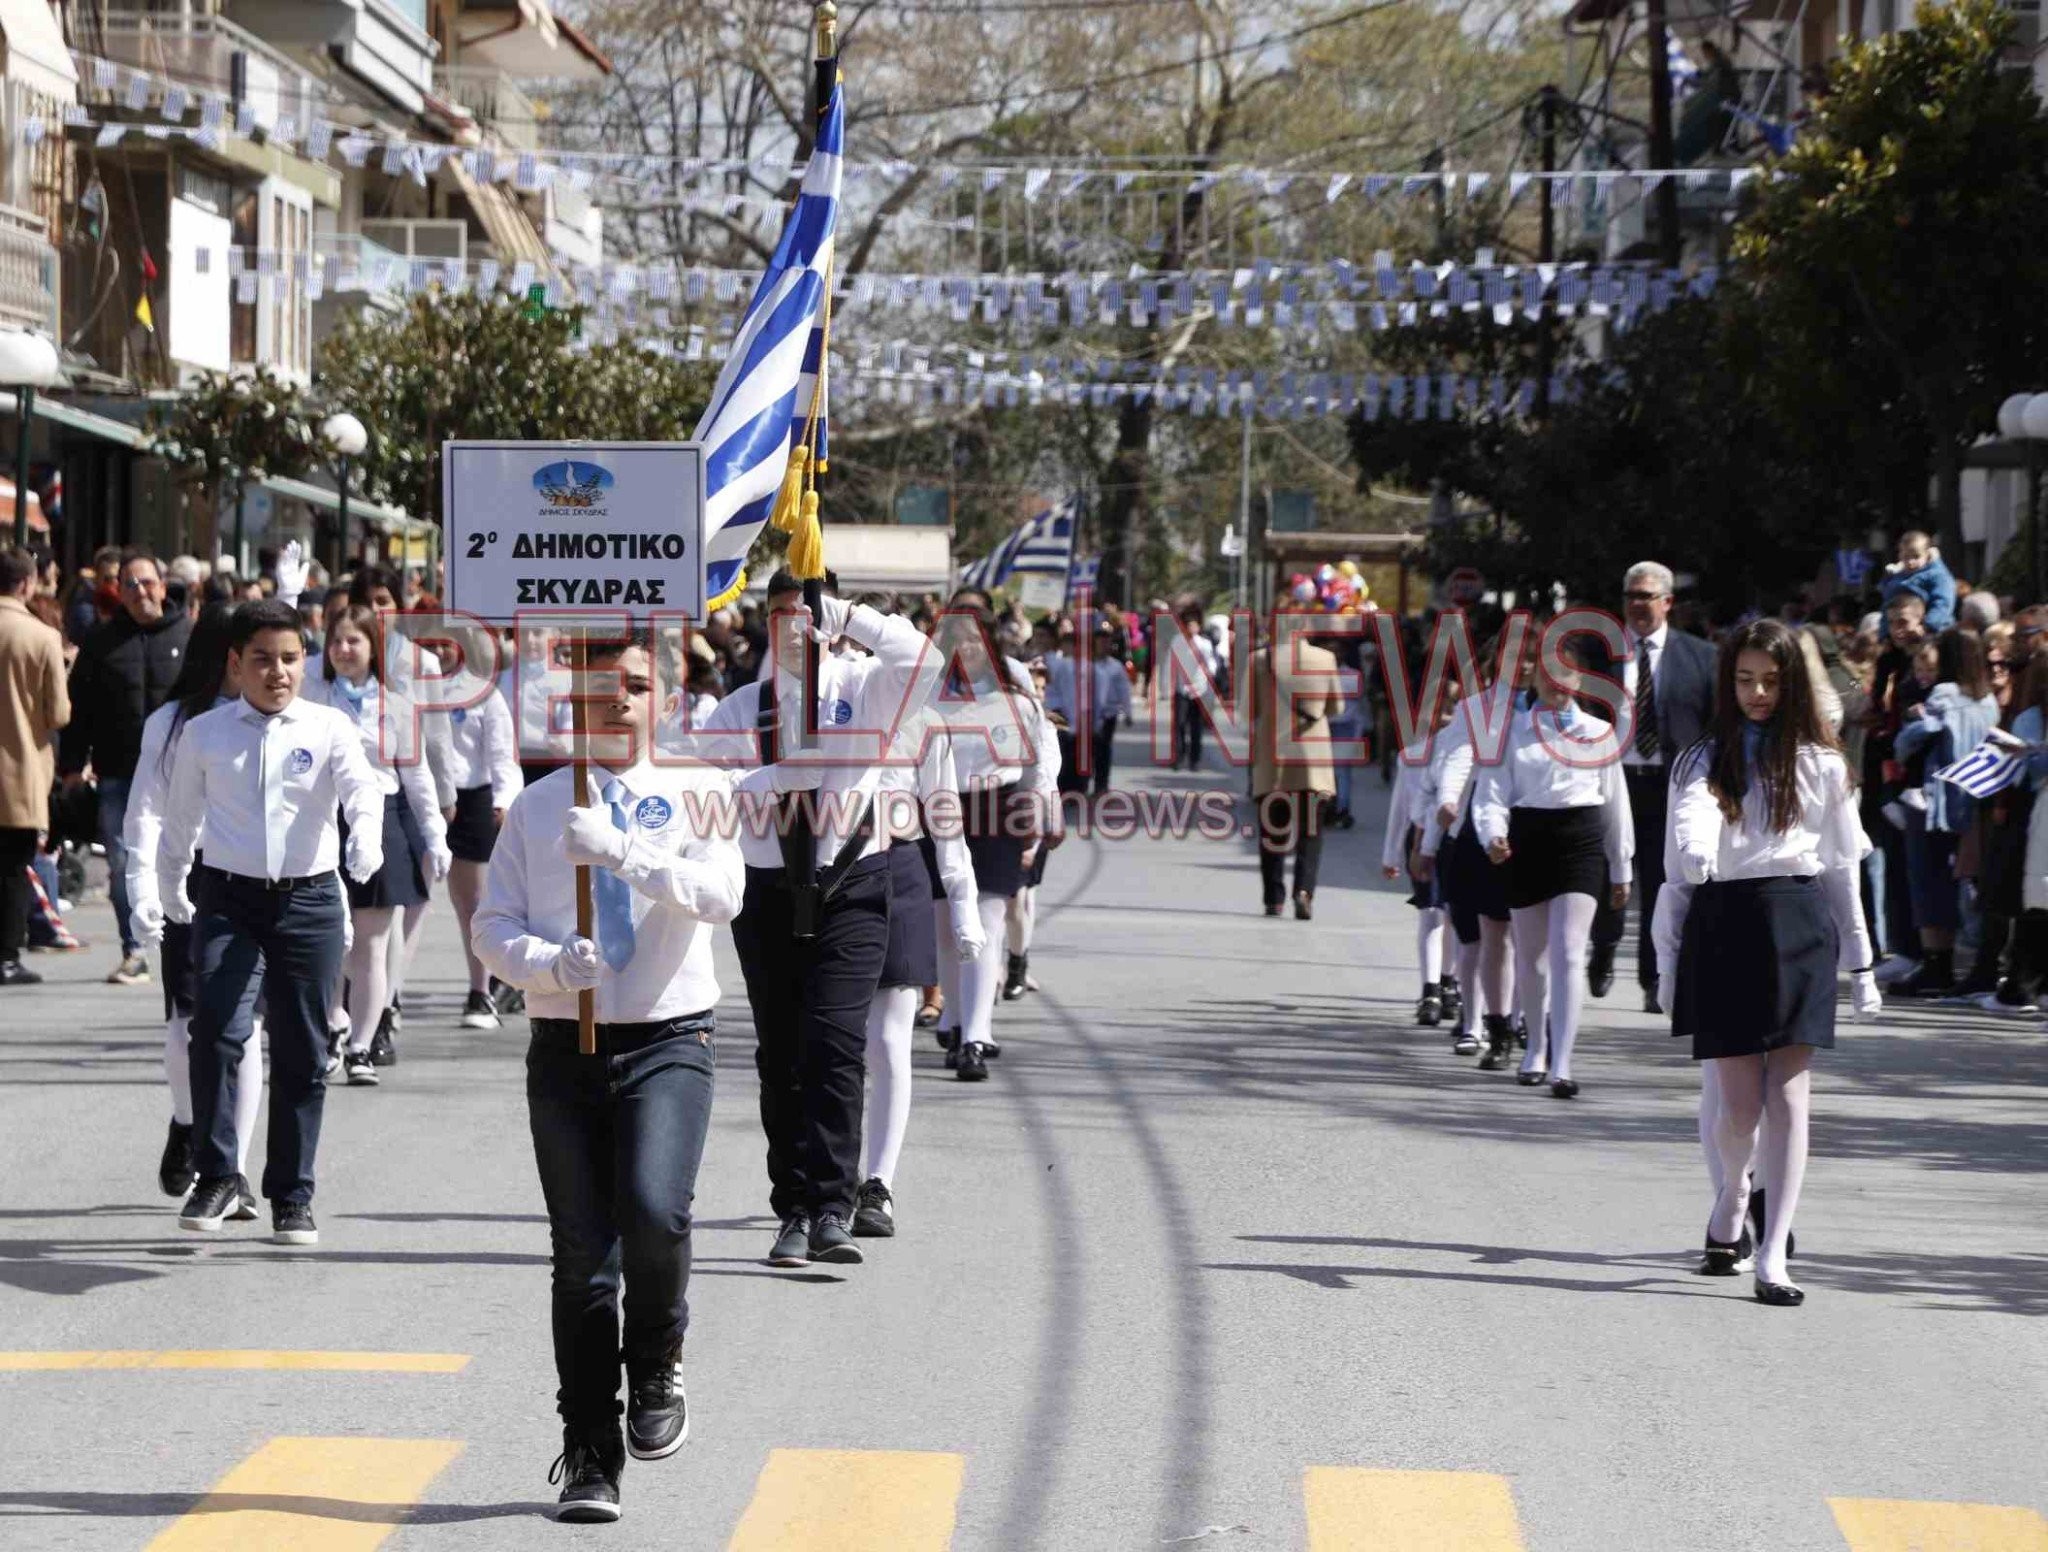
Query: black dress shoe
[[1600, 971], [1429, 1012], [832, 1241], [1531, 1078], [657, 1411], [1726, 1260], [1564, 1088], [972, 1066], [174, 1170], [1784, 1295], [793, 1244], [1013, 978], [382, 1052], [14, 973]]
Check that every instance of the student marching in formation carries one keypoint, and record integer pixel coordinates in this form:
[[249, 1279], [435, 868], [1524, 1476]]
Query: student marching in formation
[[1552, 813], [618, 1135], [810, 990], [1761, 906], [204, 681], [1409, 806], [1020, 917], [1008, 761], [484, 756], [928, 862], [264, 775], [414, 835]]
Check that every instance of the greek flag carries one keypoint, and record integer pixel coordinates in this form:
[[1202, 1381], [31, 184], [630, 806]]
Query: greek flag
[[761, 406], [1045, 544], [1985, 770]]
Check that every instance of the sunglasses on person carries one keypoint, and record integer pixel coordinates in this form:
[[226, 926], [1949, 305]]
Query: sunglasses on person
[[1998, 665], [1637, 595], [141, 584]]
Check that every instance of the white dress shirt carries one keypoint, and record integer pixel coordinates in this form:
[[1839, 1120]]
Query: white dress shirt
[[682, 869], [1002, 739], [485, 750], [412, 778], [1417, 775], [1558, 759], [864, 696], [266, 788], [1454, 759], [919, 770], [142, 825], [1826, 841], [436, 732], [1644, 651]]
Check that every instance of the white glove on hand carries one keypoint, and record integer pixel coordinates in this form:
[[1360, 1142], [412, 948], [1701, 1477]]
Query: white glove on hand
[[178, 908], [291, 572], [580, 967], [147, 918], [591, 840], [1865, 1000], [967, 939], [365, 855], [833, 613], [799, 775], [439, 860], [1697, 867]]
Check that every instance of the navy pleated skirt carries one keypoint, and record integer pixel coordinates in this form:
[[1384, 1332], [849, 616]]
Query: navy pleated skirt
[[1756, 968]]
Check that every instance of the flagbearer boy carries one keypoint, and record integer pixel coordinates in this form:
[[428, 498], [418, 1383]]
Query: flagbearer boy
[[618, 1136], [265, 774]]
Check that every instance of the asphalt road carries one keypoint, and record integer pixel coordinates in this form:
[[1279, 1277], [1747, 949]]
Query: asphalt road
[[1227, 1251]]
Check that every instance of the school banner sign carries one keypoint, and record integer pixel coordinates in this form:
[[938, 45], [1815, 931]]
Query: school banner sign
[[564, 526]]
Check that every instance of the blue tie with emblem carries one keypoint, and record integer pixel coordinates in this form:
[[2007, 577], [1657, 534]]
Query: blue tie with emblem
[[614, 899]]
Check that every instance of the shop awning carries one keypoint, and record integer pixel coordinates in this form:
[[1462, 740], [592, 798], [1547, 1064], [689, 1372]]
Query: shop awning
[[37, 523], [503, 221], [36, 55]]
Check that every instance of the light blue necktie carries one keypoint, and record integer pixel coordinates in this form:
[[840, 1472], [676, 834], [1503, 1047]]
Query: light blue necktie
[[614, 900]]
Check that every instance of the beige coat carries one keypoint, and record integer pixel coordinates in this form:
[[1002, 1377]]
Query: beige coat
[[1293, 754], [34, 704]]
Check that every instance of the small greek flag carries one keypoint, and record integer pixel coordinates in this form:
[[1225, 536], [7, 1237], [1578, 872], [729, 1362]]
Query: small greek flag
[[1985, 770], [1044, 545]]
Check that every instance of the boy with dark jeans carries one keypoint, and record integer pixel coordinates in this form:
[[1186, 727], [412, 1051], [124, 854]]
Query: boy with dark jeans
[[618, 1135]]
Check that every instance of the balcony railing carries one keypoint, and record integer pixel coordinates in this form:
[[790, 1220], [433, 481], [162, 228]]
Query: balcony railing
[[28, 273], [496, 101], [359, 264], [209, 54]]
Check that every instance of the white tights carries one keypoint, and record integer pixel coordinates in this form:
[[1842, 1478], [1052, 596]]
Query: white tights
[[248, 1081], [1021, 920], [971, 989], [1429, 943], [1776, 1090], [404, 944], [1550, 964], [891, 1026], [368, 968]]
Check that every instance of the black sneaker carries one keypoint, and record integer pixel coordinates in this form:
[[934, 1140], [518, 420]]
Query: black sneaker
[[382, 1052], [589, 1468], [1465, 1043], [14, 973], [831, 1242], [874, 1212], [291, 1223], [657, 1411], [477, 1013], [361, 1070], [174, 1170], [1013, 980], [972, 1066], [1429, 1010], [793, 1244], [207, 1208], [245, 1201]]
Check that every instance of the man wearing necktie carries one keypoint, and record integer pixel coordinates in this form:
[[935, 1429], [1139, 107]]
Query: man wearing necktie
[[618, 1135], [1668, 677]]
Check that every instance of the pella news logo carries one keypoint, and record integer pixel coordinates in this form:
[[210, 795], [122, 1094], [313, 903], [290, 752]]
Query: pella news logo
[[573, 486]]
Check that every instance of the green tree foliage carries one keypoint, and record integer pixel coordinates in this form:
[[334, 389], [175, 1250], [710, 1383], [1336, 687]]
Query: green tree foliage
[[233, 428], [454, 366]]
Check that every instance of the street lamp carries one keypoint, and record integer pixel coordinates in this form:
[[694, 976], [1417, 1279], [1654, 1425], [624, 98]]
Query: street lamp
[[27, 362], [345, 434]]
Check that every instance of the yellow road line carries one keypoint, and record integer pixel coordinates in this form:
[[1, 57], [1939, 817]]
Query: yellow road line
[[852, 1501], [1351, 1509], [247, 1358], [1903, 1525], [312, 1495]]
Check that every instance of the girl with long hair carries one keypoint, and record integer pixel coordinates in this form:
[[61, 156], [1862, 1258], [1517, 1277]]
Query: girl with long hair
[[415, 835], [1761, 908], [205, 680], [1554, 814]]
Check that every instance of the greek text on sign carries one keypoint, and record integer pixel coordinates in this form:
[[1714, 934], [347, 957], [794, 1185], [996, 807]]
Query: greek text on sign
[[573, 525]]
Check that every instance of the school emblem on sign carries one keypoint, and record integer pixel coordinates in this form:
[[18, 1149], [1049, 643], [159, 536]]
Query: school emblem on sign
[[299, 762], [573, 484], [653, 813]]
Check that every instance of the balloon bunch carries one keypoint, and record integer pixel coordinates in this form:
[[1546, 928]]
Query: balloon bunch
[[1339, 589]]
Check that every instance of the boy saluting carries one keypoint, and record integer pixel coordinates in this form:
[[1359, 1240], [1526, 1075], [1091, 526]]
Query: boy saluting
[[618, 1136]]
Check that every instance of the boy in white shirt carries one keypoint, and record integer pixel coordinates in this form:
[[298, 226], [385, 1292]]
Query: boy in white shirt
[[265, 774], [618, 1135]]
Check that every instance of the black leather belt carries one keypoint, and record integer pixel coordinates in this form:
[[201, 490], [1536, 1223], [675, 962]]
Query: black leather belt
[[617, 1039], [277, 886]]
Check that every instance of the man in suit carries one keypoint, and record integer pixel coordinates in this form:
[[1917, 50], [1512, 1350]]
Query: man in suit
[[1294, 688], [34, 706], [1669, 678]]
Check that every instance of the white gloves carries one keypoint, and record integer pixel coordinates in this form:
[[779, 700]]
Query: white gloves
[[1698, 867], [365, 855], [966, 920], [146, 917], [591, 840], [799, 775], [1865, 1000], [833, 613], [178, 907], [579, 968], [291, 573], [439, 860]]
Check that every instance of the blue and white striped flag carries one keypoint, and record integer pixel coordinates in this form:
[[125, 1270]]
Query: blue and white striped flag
[[761, 406], [1985, 770], [1045, 545]]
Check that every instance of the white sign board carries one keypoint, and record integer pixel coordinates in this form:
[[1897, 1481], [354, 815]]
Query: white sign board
[[573, 526], [1041, 590]]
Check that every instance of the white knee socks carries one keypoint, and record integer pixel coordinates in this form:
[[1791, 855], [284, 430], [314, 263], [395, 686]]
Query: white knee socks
[[891, 1025], [982, 981], [1571, 928], [1787, 1108]]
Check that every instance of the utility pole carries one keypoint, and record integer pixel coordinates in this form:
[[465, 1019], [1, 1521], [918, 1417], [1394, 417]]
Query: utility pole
[[1661, 153]]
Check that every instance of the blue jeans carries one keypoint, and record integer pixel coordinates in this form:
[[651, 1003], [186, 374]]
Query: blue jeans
[[113, 814], [618, 1137]]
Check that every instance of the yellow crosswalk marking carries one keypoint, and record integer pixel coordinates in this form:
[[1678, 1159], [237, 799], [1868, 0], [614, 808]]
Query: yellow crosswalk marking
[[312, 1495], [245, 1358], [1351, 1509], [852, 1501], [1902, 1525]]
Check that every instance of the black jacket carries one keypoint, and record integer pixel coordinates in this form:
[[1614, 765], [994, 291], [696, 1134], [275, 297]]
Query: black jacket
[[1685, 689], [123, 673]]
